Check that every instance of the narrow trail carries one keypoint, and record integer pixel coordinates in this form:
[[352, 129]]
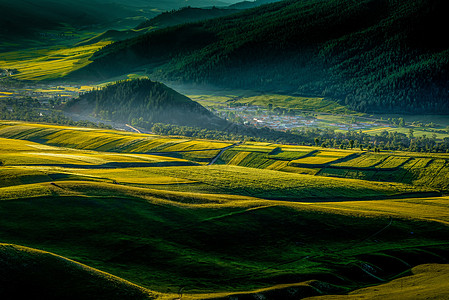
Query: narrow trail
[[135, 129], [221, 152]]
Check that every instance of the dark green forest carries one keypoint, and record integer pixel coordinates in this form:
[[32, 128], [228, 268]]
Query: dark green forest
[[185, 15], [143, 102], [372, 55]]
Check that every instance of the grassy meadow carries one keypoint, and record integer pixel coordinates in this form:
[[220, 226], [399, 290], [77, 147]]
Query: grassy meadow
[[146, 216], [48, 63], [249, 98]]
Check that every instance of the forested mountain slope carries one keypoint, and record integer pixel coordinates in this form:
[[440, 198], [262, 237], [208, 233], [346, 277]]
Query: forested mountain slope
[[372, 55], [186, 15], [143, 102], [46, 22]]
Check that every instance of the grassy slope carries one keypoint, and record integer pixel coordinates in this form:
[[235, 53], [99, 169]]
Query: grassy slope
[[48, 40], [26, 267], [103, 140], [207, 243], [48, 63], [426, 281], [419, 169], [163, 233], [318, 104]]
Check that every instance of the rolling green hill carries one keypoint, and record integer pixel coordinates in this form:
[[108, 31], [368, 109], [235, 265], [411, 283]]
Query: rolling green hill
[[202, 232], [143, 102], [373, 55], [424, 280], [27, 272]]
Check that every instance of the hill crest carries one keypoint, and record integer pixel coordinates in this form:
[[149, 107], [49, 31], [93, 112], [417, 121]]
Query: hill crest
[[143, 102]]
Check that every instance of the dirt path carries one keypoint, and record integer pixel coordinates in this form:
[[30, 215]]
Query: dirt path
[[221, 152], [129, 126]]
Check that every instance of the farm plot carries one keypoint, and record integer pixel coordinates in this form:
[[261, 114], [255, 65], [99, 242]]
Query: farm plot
[[288, 155], [393, 162], [435, 174], [320, 158], [370, 160], [421, 171], [253, 159], [363, 161], [198, 156], [254, 148]]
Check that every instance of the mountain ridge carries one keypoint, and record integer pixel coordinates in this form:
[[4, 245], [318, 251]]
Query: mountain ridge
[[371, 55]]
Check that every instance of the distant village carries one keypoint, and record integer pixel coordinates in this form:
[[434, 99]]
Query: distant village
[[261, 117]]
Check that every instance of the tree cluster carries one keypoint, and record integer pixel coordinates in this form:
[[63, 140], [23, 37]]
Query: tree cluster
[[142, 102], [326, 138], [30, 110]]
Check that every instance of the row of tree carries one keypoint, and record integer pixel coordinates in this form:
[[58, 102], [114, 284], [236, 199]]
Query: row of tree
[[29, 110], [312, 137]]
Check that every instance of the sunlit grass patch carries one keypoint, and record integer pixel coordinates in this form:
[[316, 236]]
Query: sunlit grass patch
[[133, 175], [104, 140], [393, 162], [78, 157], [254, 148], [193, 145], [12, 145], [238, 157], [289, 154], [200, 156], [52, 63], [277, 165], [320, 158], [282, 185], [364, 161], [426, 280], [319, 104], [431, 208]]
